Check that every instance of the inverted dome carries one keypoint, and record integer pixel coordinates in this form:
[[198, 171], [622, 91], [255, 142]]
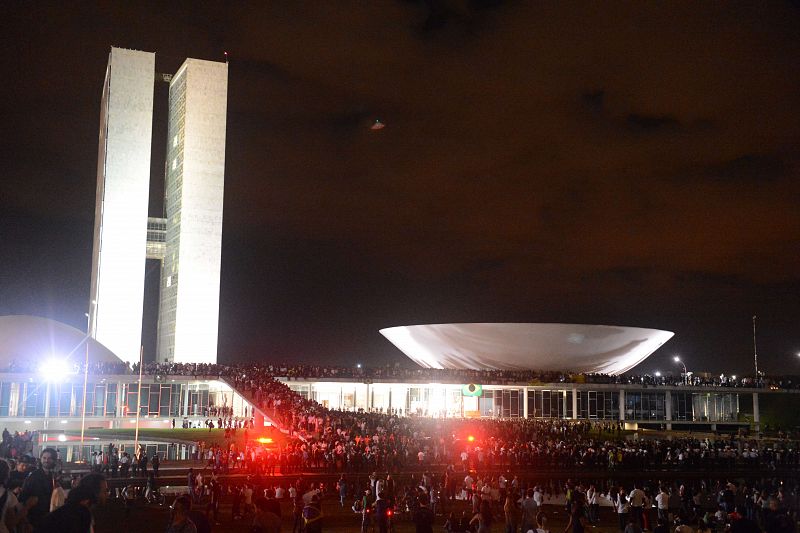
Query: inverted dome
[[29, 340], [549, 347]]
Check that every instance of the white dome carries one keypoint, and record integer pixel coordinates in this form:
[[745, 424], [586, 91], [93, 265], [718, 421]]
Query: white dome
[[548, 347], [31, 340]]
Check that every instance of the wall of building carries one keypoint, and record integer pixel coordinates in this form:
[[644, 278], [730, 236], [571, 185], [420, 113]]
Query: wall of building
[[577, 402], [123, 176], [195, 181]]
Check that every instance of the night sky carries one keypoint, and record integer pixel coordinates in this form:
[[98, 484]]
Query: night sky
[[606, 163]]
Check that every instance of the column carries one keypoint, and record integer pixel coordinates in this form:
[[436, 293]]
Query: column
[[668, 408], [185, 388], [525, 403], [756, 414], [574, 403], [564, 403], [622, 405]]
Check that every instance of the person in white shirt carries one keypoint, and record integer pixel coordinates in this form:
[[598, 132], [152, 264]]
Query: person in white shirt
[[593, 503], [621, 505], [538, 496], [636, 499], [662, 501]]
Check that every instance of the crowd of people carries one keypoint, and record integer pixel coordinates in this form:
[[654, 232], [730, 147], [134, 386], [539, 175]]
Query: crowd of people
[[427, 375]]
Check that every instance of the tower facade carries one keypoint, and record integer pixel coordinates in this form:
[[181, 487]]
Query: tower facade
[[189, 310], [189, 237], [120, 221]]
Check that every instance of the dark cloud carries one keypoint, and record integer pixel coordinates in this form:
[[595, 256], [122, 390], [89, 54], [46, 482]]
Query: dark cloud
[[540, 162], [594, 100], [652, 123], [750, 168]]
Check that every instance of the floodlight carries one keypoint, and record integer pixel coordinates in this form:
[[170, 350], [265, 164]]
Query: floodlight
[[54, 369]]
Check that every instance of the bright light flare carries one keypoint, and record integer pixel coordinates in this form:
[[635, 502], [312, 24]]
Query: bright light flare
[[471, 438], [265, 440], [54, 369]]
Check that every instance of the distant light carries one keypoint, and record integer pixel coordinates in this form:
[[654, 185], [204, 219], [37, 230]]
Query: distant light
[[471, 438], [62, 438], [658, 374], [733, 377], [377, 125], [64, 421], [358, 365], [133, 420], [264, 440], [54, 369], [676, 359], [27, 421]]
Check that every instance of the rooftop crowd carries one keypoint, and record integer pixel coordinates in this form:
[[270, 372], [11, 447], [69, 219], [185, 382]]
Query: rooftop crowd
[[398, 373]]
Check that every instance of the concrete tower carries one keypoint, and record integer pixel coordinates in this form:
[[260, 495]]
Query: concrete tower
[[188, 241], [120, 221], [189, 314]]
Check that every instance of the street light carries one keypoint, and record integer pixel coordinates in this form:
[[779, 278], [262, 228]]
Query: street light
[[685, 372], [658, 373], [89, 316]]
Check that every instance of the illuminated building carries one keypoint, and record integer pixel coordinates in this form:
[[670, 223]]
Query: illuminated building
[[189, 311], [120, 220], [188, 241], [516, 346]]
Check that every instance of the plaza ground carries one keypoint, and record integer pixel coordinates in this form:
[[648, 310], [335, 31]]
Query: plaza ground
[[112, 518]]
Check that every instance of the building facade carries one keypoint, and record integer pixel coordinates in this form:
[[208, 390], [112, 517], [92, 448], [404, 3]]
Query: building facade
[[635, 406], [188, 240], [123, 178], [189, 308]]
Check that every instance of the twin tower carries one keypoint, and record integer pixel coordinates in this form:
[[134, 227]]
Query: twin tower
[[189, 240]]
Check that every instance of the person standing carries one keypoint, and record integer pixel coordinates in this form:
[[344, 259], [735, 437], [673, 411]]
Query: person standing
[[143, 461], [124, 464], [510, 512], [341, 486], [636, 500], [181, 523], [156, 464], [39, 485], [483, 518], [577, 522], [662, 502], [592, 499], [423, 517], [529, 510], [75, 516], [383, 512], [312, 516], [621, 505]]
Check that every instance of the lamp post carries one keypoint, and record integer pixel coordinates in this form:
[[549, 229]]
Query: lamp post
[[755, 349], [92, 309], [685, 372]]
